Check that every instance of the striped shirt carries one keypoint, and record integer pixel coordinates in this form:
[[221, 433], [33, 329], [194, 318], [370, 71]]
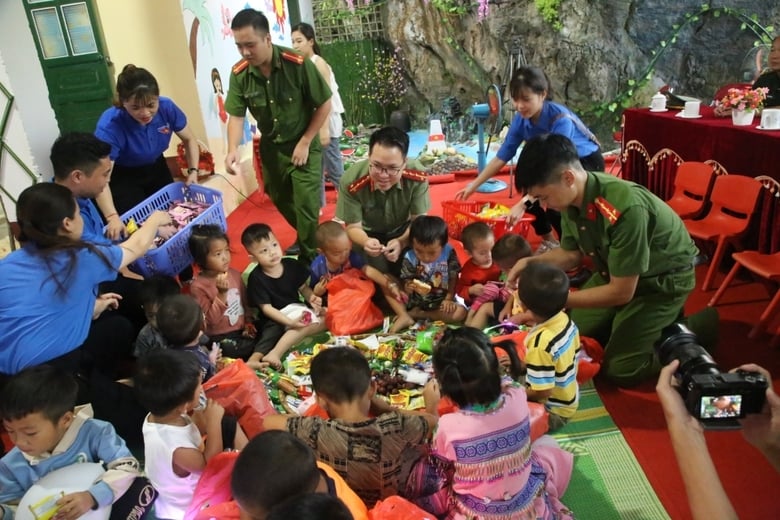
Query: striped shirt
[[551, 359]]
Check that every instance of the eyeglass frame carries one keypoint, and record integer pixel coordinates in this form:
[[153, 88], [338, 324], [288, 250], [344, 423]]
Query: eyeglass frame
[[385, 170]]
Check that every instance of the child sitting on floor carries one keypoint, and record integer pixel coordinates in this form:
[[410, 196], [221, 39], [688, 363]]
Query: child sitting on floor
[[336, 256], [180, 320], [373, 454], [429, 273], [152, 292], [508, 250], [219, 290], [275, 466], [511, 476], [474, 282], [37, 410], [552, 345], [276, 286], [168, 384]]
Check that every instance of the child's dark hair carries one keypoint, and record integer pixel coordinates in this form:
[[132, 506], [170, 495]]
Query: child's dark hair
[[544, 159], [543, 289], [428, 229], [39, 389], [200, 241], [272, 467], [510, 248], [340, 374], [136, 83], [531, 78], [180, 320], [156, 288], [390, 137], [77, 151], [166, 379], [473, 232], [255, 233], [311, 506], [308, 32], [466, 366], [328, 230]]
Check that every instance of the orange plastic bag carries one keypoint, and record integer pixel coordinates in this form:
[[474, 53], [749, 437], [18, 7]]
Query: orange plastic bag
[[397, 508], [350, 309], [238, 389]]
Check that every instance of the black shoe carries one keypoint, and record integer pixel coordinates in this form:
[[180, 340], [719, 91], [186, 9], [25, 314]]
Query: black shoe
[[293, 250]]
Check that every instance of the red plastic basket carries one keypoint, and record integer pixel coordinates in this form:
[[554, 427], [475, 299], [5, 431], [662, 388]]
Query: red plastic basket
[[459, 214]]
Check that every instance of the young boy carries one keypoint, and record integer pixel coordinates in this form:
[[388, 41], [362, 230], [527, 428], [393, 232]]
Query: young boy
[[336, 256], [274, 467], [429, 273], [152, 293], [552, 344], [180, 321], [276, 286], [508, 250], [480, 269], [167, 383], [37, 409], [373, 454]]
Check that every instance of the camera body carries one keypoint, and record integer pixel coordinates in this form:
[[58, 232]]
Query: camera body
[[716, 398]]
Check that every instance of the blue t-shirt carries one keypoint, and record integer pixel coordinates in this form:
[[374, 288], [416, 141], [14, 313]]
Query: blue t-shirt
[[134, 144], [37, 321], [319, 268], [554, 119], [93, 223]]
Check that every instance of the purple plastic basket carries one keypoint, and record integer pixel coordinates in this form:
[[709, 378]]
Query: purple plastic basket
[[174, 255]]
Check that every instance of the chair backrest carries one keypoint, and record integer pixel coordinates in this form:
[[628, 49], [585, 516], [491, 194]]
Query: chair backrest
[[722, 91], [735, 196], [769, 222], [694, 179]]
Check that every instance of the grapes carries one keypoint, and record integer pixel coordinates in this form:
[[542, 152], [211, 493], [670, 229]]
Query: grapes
[[387, 383]]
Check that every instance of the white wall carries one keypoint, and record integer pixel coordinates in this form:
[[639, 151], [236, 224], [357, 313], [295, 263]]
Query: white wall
[[34, 118]]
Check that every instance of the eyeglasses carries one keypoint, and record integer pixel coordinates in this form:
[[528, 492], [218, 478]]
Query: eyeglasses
[[387, 170]]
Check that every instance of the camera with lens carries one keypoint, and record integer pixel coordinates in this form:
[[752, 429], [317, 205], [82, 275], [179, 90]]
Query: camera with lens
[[716, 398]]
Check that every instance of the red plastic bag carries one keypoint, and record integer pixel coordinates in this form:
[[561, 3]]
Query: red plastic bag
[[397, 508], [238, 389], [350, 310], [212, 497]]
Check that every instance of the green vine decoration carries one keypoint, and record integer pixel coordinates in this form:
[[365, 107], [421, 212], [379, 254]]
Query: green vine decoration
[[624, 99], [551, 12]]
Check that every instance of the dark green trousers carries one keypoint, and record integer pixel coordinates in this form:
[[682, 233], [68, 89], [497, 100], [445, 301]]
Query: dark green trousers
[[629, 332]]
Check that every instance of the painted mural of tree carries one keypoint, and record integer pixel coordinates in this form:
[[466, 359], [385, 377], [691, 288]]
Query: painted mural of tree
[[202, 17]]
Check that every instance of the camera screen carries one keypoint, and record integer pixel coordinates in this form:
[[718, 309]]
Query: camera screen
[[720, 406]]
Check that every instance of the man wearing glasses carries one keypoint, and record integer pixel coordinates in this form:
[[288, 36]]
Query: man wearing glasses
[[379, 197]]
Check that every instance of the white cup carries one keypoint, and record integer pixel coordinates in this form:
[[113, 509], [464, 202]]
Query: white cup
[[658, 103], [770, 118], [691, 108]]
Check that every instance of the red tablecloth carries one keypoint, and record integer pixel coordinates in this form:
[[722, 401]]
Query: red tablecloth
[[742, 150]]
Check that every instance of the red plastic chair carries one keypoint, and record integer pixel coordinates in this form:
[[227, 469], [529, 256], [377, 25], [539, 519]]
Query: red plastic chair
[[734, 201], [692, 187]]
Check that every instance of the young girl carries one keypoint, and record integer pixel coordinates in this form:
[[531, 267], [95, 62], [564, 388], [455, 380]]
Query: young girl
[[221, 294], [498, 473], [537, 114]]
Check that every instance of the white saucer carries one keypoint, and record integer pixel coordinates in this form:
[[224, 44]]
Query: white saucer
[[768, 129], [662, 110], [682, 115]]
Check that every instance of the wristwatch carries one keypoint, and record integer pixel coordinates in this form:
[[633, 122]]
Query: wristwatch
[[190, 171]]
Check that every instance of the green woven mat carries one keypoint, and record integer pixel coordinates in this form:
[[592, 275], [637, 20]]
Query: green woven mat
[[607, 481]]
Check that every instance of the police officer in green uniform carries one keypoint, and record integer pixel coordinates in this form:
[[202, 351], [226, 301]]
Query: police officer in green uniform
[[640, 249], [291, 101], [380, 196]]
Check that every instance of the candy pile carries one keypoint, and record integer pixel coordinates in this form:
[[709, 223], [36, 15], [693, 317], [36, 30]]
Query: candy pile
[[181, 212], [494, 211]]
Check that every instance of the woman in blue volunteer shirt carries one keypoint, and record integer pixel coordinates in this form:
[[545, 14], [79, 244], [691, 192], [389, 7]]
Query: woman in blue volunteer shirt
[[50, 310], [538, 114], [139, 129]]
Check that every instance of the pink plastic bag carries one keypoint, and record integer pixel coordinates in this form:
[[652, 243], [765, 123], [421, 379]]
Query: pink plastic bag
[[397, 508], [238, 389], [212, 497]]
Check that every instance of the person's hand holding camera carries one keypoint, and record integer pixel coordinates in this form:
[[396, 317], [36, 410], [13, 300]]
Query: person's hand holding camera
[[762, 430], [672, 403]]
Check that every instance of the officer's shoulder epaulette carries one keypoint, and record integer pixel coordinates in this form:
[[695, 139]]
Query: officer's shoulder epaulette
[[609, 211], [359, 184], [414, 175], [241, 65], [293, 57]]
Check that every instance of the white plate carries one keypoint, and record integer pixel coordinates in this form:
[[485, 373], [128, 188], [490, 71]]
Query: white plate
[[662, 110], [682, 114], [768, 129]]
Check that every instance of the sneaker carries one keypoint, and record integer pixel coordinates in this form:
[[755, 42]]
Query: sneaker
[[547, 245]]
